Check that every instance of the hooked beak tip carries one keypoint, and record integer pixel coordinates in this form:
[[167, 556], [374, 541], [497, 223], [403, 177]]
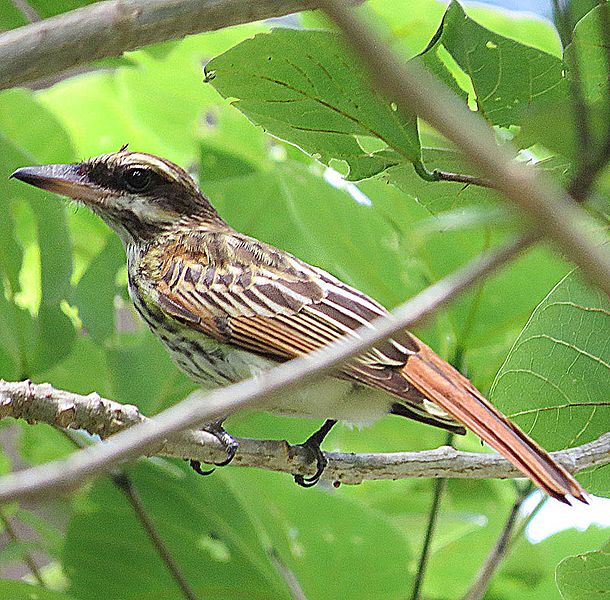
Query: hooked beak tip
[[61, 179], [26, 174]]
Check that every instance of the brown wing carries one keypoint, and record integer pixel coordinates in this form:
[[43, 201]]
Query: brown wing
[[272, 303]]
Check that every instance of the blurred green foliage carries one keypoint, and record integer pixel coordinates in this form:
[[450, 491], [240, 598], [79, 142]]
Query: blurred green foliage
[[65, 316]]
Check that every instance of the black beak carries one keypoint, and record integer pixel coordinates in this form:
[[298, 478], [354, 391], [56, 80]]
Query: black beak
[[67, 180]]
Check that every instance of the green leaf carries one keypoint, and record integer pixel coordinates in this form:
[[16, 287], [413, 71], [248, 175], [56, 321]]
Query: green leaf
[[588, 48], [94, 295], [27, 142], [216, 163], [204, 524], [317, 533], [506, 76], [539, 126], [27, 123], [556, 378], [527, 28], [584, 577], [103, 111], [11, 254], [529, 569], [319, 100], [55, 330], [18, 590], [10, 15], [55, 336], [83, 371], [42, 443], [438, 196]]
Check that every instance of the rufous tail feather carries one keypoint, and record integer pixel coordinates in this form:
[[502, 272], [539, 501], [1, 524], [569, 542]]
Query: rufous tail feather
[[451, 391]]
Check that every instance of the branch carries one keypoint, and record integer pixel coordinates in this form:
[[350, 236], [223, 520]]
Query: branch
[[151, 435], [498, 553], [462, 178], [125, 484], [416, 91], [440, 485], [110, 28], [25, 555], [41, 403]]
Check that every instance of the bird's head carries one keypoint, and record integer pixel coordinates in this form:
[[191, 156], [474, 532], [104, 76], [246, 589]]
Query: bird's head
[[139, 195]]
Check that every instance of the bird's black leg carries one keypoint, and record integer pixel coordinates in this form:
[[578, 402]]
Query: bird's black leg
[[313, 444], [225, 438]]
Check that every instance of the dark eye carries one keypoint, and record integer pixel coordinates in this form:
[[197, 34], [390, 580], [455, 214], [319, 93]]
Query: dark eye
[[137, 180]]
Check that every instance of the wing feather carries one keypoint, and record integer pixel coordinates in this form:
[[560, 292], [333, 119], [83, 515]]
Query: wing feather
[[274, 304]]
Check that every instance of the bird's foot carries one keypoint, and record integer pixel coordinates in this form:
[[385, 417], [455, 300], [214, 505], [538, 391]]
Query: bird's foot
[[313, 445], [226, 439]]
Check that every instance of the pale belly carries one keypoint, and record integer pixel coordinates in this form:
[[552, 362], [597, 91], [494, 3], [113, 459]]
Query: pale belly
[[213, 364]]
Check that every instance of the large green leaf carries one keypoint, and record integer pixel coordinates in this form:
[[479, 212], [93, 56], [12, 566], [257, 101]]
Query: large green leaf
[[555, 380], [319, 99], [95, 293], [327, 541], [506, 76], [204, 525], [588, 48], [584, 577]]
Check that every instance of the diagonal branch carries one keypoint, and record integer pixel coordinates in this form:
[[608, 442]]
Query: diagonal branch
[[150, 436], [44, 404], [110, 28]]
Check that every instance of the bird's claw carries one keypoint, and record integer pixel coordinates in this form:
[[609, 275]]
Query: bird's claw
[[313, 445], [228, 442], [321, 462]]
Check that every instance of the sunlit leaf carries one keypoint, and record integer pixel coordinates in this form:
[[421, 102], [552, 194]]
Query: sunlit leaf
[[319, 100], [556, 378], [18, 590], [507, 76]]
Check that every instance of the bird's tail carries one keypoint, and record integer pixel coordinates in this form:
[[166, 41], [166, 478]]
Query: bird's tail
[[451, 391]]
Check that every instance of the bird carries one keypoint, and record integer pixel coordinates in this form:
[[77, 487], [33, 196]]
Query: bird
[[228, 306]]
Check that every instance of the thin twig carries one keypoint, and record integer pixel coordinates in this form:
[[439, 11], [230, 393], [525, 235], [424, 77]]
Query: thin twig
[[439, 489], [25, 555], [415, 91], [27, 10], [125, 484], [462, 178], [150, 435], [104, 29], [498, 552], [290, 579]]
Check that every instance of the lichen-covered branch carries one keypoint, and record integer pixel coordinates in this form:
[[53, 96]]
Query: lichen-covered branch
[[41, 403], [104, 29]]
